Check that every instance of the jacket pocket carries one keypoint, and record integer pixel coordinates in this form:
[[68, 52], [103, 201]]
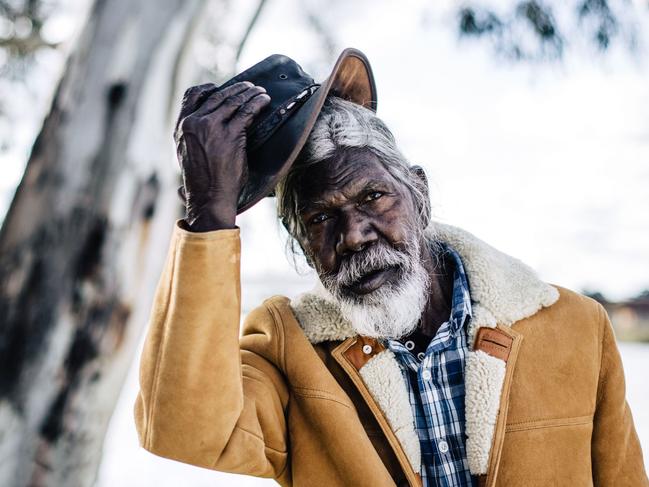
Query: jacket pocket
[[548, 423]]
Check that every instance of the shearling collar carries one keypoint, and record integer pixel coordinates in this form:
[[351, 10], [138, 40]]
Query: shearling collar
[[503, 290]]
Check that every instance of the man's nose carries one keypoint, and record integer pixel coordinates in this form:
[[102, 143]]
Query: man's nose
[[355, 233]]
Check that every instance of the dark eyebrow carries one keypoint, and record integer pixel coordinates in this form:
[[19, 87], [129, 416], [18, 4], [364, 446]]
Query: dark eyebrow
[[312, 206], [376, 184], [366, 187]]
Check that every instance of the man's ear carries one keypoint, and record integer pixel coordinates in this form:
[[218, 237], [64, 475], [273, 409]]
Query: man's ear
[[421, 181]]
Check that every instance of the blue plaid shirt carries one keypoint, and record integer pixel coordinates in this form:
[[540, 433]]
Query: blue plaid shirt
[[436, 387]]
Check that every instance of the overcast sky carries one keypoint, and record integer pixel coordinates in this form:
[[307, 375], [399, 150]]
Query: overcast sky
[[549, 163]]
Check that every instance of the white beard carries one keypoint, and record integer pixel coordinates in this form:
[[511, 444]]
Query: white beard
[[391, 311]]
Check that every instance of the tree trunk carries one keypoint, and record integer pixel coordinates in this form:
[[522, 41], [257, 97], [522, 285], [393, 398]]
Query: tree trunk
[[82, 245]]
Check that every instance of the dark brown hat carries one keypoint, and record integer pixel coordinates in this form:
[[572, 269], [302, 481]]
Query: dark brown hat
[[281, 129]]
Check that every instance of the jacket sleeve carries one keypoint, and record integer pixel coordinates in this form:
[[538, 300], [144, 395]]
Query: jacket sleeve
[[207, 397], [616, 452]]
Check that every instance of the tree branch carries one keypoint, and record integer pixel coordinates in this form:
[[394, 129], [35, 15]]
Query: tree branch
[[251, 26]]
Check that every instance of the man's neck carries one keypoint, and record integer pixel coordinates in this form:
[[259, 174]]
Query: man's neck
[[438, 306]]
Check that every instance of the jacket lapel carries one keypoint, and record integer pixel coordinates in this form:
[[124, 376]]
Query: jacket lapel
[[488, 373], [503, 291], [376, 374]]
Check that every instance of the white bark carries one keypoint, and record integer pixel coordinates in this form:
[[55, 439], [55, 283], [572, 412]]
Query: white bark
[[82, 245]]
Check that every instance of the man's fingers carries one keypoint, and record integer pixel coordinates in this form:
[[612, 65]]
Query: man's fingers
[[227, 103], [195, 97], [249, 110], [233, 105], [210, 103], [192, 99]]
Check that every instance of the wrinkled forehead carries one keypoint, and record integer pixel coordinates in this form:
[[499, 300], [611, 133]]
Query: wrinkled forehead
[[343, 174]]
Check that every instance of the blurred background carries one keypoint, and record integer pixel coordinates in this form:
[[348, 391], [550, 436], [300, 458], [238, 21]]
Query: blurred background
[[531, 118]]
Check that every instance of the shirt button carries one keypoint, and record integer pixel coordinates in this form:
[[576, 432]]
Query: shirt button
[[410, 344], [420, 355], [367, 349], [426, 375], [443, 446]]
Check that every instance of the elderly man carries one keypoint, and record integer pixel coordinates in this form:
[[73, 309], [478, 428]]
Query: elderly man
[[423, 356]]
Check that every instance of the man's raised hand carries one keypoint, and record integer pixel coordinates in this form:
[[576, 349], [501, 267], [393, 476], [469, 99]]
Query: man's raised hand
[[210, 137]]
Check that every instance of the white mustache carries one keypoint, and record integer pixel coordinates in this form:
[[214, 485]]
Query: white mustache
[[390, 311], [377, 257]]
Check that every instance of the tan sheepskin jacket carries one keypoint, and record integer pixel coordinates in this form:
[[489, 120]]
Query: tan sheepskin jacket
[[297, 397]]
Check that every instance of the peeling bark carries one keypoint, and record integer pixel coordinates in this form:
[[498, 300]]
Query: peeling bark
[[82, 245]]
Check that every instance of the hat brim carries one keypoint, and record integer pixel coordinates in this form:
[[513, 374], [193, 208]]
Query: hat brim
[[351, 78]]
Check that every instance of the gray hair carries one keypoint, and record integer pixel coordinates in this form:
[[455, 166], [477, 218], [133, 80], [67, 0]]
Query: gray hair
[[343, 125]]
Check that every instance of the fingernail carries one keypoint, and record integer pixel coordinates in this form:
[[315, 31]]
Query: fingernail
[[261, 88], [249, 83]]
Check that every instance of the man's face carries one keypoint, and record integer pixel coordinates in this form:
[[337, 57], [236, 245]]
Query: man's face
[[348, 205], [363, 240]]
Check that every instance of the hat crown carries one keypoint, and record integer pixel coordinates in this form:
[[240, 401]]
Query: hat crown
[[281, 128], [280, 75]]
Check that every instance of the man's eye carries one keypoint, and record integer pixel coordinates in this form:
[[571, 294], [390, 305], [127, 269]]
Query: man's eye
[[374, 195], [319, 218]]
